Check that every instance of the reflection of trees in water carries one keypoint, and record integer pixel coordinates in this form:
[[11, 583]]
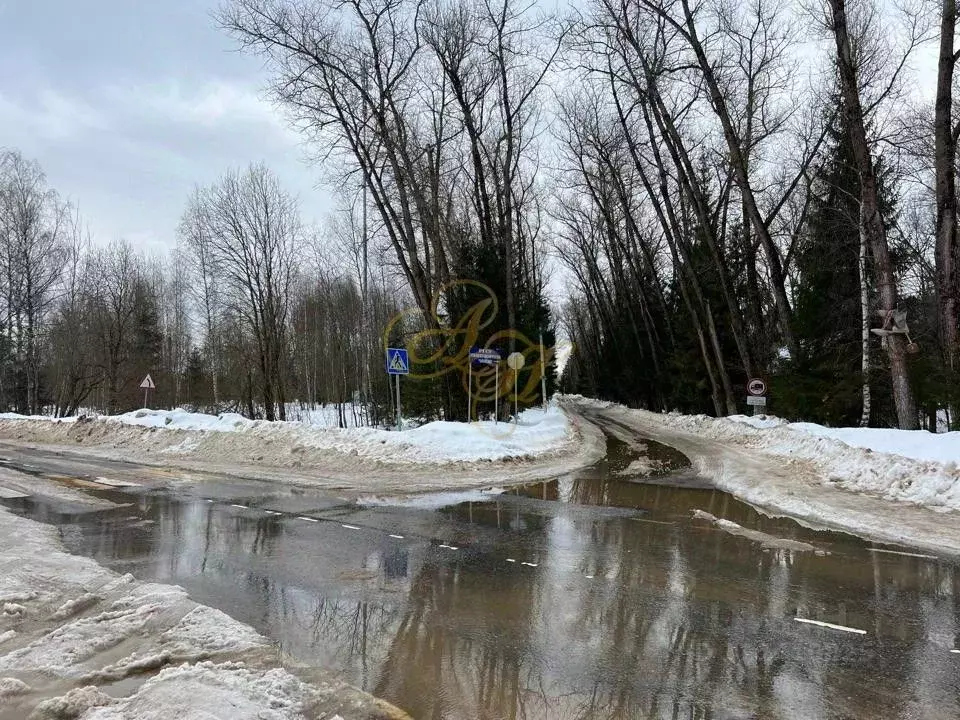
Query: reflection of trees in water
[[678, 622], [353, 632], [463, 647]]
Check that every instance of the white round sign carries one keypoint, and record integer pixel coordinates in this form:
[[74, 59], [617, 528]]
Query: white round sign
[[515, 360], [756, 386]]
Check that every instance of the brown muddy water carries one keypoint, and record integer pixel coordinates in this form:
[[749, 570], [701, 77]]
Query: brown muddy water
[[591, 596]]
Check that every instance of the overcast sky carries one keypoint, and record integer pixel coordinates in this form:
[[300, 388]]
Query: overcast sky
[[128, 104]]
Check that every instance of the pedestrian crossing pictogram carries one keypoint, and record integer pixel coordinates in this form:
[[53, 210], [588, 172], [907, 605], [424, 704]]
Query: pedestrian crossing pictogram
[[398, 362]]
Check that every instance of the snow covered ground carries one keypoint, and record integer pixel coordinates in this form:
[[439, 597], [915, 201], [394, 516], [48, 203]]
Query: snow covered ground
[[897, 486], [434, 456], [908, 465], [80, 641], [536, 432]]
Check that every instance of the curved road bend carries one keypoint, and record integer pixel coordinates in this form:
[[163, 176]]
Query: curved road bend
[[597, 595]]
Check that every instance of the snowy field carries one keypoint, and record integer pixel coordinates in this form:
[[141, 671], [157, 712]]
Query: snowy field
[[70, 631]]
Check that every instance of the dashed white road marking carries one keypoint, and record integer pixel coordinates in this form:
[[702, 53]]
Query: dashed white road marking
[[858, 631], [398, 537], [530, 564], [956, 651], [907, 554], [308, 519], [209, 500], [448, 547], [589, 577], [349, 527], [242, 507], [511, 560], [271, 512]]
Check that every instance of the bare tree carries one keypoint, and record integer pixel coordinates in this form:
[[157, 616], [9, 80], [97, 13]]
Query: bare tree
[[194, 234], [872, 221], [946, 131], [252, 230], [33, 228]]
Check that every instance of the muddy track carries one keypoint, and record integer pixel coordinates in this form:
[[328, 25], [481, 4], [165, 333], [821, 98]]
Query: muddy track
[[788, 486]]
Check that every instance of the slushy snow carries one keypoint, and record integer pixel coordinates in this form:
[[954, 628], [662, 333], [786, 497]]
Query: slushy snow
[[80, 627], [536, 432], [840, 478], [906, 465]]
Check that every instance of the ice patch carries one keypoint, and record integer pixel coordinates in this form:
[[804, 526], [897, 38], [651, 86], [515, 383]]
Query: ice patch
[[764, 539], [432, 501], [77, 605]]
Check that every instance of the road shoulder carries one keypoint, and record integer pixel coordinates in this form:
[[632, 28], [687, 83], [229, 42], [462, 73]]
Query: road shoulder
[[790, 486]]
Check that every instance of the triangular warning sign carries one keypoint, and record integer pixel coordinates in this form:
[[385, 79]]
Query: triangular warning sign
[[397, 363], [148, 383]]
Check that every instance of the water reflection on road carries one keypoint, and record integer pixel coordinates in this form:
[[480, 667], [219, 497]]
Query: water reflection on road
[[588, 597]]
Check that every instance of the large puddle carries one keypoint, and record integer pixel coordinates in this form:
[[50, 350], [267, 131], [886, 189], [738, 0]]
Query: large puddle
[[593, 596]]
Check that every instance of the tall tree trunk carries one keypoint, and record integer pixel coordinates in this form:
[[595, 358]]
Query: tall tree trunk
[[864, 327], [872, 224], [946, 191]]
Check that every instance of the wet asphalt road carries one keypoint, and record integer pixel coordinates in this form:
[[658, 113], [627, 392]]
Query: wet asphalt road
[[591, 596]]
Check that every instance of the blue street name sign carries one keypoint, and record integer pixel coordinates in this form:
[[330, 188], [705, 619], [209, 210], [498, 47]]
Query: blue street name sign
[[485, 356]]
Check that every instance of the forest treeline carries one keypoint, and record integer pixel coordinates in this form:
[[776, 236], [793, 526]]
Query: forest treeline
[[755, 190], [722, 191]]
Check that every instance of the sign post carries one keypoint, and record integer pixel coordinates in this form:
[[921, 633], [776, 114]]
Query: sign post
[[543, 374], [484, 356], [147, 385], [398, 363], [757, 397], [515, 361]]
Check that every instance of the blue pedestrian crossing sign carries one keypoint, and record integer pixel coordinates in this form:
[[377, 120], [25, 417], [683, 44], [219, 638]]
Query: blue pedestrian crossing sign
[[398, 362]]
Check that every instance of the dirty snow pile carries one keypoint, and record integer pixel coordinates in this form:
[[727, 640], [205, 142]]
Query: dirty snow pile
[[908, 465], [70, 628], [537, 433]]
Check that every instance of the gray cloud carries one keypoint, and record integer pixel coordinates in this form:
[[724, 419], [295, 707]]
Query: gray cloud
[[129, 104]]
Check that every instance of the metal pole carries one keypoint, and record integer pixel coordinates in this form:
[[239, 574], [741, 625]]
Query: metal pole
[[516, 400], [397, 376], [469, 388], [543, 373], [496, 394], [145, 391]]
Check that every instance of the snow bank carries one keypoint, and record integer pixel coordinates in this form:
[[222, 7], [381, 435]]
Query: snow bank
[[913, 466], [81, 627], [536, 433], [914, 444]]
